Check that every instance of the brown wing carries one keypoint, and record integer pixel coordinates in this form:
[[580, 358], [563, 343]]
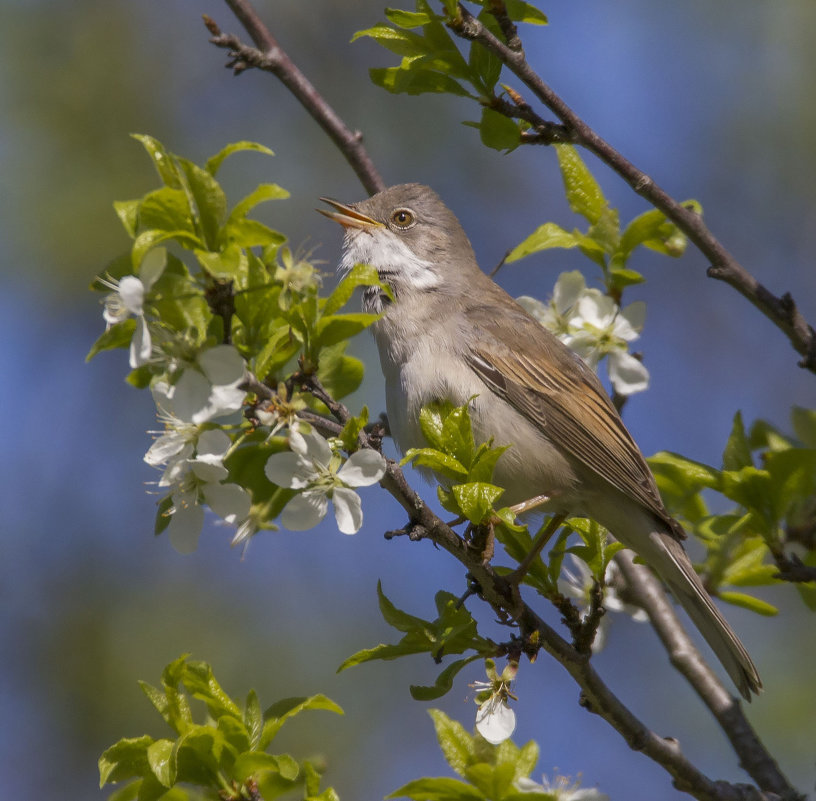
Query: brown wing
[[567, 402]]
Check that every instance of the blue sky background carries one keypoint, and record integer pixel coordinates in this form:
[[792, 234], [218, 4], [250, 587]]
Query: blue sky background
[[715, 102]]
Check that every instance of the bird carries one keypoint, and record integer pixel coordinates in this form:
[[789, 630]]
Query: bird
[[448, 332]]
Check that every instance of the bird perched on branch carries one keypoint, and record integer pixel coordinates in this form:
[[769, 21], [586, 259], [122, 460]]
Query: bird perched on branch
[[451, 333]]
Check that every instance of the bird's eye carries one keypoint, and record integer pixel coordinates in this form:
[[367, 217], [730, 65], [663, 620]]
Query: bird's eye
[[403, 218]]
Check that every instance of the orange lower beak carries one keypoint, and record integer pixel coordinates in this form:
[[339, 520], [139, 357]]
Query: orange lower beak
[[347, 216]]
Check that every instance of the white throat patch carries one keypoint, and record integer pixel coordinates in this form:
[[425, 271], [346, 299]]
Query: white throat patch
[[390, 256]]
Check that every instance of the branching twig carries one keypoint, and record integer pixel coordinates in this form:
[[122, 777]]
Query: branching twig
[[782, 311], [647, 592], [268, 55]]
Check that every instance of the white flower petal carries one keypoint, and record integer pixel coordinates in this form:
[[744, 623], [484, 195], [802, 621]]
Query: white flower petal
[[635, 314], [317, 448], [363, 468], [568, 288], [212, 444], [291, 470], [596, 310], [141, 346], [305, 511], [626, 373], [209, 472], [229, 501], [168, 445], [495, 721], [222, 364], [185, 527], [348, 511], [223, 399], [189, 396], [535, 308], [131, 290]]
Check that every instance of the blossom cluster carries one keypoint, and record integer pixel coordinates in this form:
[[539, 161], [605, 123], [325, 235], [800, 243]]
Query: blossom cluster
[[595, 327], [191, 394]]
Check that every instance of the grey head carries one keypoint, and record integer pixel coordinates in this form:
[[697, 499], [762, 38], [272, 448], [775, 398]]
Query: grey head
[[410, 236]]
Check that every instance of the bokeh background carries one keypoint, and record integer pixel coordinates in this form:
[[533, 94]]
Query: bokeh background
[[714, 100]]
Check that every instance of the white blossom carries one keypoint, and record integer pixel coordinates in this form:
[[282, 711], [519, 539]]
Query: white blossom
[[495, 720], [311, 467], [206, 391], [561, 788], [127, 298], [595, 327], [579, 584]]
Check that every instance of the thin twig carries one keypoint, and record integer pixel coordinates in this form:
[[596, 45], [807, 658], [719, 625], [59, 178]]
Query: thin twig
[[269, 55], [782, 311], [648, 593]]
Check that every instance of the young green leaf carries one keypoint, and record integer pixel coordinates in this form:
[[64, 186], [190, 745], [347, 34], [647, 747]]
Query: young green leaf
[[214, 163], [584, 195], [545, 236]]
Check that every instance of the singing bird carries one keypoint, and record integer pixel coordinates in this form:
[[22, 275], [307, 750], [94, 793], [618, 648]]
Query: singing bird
[[451, 333]]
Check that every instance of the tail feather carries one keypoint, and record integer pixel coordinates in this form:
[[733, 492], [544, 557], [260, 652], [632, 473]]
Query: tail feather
[[676, 570]]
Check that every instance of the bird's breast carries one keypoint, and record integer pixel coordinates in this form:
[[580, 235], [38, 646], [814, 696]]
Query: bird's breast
[[421, 368]]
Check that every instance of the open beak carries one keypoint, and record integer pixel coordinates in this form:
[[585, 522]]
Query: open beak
[[348, 217]]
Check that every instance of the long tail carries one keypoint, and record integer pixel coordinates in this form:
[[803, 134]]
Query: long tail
[[672, 564]]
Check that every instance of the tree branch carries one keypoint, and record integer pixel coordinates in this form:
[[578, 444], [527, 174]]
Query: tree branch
[[782, 311], [269, 55], [648, 593]]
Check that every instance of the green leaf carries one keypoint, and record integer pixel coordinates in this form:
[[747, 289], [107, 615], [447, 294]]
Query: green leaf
[[519, 11], [159, 755], [399, 80], [261, 194], [395, 617], [444, 681], [476, 499], [458, 746], [287, 708], [147, 240], [359, 275], [341, 327], [214, 163], [117, 336], [253, 719], [125, 759], [544, 237], [127, 211], [804, 425], [396, 40], [163, 160], [737, 453], [439, 789], [252, 762], [209, 200], [486, 68], [340, 374], [653, 230], [498, 132], [251, 233], [228, 264], [792, 478], [749, 602], [407, 19], [199, 680], [447, 466], [584, 195], [166, 209]]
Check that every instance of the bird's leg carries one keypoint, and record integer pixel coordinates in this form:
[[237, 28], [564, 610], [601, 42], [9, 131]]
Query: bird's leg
[[530, 503], [543, 537]]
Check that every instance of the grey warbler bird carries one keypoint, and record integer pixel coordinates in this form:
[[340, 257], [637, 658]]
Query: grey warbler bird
[[451, 333]]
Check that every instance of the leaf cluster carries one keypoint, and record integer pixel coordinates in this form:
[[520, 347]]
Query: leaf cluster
[[771, 479], [465, 468], [433, 62], [488, 772], [453, 631], [603, 241], [225, 756]]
